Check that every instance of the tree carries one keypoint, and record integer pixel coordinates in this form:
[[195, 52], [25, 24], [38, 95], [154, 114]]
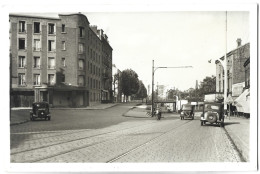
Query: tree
[[130, 82], [208, 85], [142, 91]]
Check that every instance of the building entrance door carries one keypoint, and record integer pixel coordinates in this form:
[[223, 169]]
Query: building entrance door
[[44, 96]]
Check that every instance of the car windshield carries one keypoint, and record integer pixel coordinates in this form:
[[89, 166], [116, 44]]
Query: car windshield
[[186, 107], [210, 107], [40, 105]]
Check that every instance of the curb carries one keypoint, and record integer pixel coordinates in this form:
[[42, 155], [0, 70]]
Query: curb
[[132, 109], [240, 152]]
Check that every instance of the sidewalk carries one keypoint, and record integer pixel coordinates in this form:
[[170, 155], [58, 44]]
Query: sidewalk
[[23, 116], [137, 111], [237, 128]]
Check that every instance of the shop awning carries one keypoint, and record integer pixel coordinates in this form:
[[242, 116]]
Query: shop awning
[[243, 102]]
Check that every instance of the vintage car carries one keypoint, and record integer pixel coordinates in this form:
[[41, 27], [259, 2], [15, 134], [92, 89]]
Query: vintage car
[[40, 110], [213, 112], [187, 111]]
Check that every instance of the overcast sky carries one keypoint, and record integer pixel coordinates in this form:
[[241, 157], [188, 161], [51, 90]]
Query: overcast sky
[[171, 39], [177, 38]]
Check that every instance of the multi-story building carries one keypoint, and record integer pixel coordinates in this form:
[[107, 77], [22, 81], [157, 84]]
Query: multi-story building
[[236, 72], [59, 60]]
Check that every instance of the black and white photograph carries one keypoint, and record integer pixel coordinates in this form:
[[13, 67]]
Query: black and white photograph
[[152, 87]]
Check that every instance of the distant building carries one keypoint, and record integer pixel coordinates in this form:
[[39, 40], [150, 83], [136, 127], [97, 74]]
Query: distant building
[[58, 60], [117, 84]]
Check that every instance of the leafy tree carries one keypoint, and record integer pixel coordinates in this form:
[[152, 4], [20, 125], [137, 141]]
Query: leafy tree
[[130, 82], [208, 85], [142, 91]]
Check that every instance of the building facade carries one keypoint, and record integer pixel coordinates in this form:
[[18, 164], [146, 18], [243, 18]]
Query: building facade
[[236, 72], [58, 60]]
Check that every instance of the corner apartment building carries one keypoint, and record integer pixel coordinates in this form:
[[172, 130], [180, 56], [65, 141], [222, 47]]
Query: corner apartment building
[[59, 60]]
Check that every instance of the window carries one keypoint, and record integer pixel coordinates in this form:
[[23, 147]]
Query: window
[[22, 26], [63, 45], [36, 27], [90, 84], [37, 45], [63, 28], [81, 81], [21, 61], [81, 47], [63, 78], [90, 68], [21, 79], [36, 79], [21, 44], [81, 64], [51, 28], [36, 62], [63, 62], [51, 63], [51, 79], [81, 32], [51, 45]]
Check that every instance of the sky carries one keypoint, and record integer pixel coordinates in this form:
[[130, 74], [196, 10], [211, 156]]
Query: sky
[[171, 39]]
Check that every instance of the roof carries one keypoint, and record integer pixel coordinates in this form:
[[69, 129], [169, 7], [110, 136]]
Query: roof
[[231, 52], [32, 16]]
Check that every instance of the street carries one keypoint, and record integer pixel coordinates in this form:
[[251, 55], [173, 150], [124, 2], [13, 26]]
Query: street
[[106, 136]]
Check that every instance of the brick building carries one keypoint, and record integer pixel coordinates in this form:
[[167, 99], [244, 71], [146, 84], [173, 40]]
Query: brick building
[[59, 60], [235, 70], [238, 74]]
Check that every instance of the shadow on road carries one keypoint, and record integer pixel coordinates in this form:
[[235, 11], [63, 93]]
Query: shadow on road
[[230, 123]]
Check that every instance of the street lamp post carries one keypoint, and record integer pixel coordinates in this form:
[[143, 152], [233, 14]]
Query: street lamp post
[[153, 71]]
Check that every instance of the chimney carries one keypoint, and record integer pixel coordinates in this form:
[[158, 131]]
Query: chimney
[[239, 41]]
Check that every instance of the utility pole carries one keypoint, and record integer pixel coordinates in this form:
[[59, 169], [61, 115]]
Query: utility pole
[[153, 70], [152, 86], [225, 67]]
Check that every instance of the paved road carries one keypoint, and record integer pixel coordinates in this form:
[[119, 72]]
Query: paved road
[[136, 140], [74, 119]]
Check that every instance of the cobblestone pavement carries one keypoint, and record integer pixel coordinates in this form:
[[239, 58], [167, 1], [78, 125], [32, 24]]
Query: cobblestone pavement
[[167, 140]]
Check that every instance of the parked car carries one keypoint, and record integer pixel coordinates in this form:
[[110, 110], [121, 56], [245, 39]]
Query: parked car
[[213, 113], [187, 111], [40, 110]]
